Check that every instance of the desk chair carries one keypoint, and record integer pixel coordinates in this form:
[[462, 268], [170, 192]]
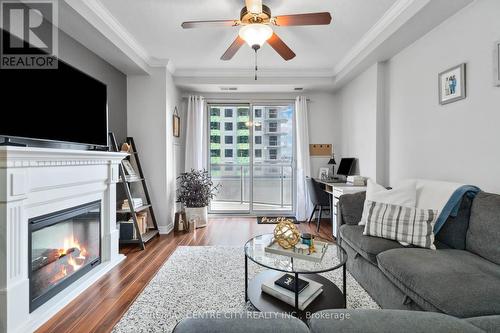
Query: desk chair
[[319, 198]]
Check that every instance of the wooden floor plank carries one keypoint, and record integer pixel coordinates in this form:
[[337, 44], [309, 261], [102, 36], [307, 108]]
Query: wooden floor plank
[[101, 306]]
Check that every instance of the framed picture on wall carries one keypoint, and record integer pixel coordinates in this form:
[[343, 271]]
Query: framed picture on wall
[[496, 64], [176, 124], [452, 84]]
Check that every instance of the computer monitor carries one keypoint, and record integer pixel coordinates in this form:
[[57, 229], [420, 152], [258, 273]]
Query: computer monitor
[[346, 167]]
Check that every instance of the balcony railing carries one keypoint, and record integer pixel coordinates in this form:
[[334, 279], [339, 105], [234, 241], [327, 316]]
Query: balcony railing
[[272, 185]]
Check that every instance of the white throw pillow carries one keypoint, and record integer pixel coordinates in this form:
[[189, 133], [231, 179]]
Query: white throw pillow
[[403, 195], [407, 225]]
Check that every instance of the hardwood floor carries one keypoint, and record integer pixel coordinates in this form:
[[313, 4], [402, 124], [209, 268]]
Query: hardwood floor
[[100, 307]]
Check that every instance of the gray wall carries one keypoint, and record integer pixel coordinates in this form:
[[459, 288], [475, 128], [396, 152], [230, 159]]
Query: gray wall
[[85, 60]]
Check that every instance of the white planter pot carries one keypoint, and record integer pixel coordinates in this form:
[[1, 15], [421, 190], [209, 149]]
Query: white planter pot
[[198, 215]]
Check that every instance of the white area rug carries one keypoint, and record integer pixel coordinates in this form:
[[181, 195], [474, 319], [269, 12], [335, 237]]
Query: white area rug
[[198, 279]]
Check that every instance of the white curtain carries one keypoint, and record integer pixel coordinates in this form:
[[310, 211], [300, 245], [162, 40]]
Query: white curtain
[[196, 134], [304, 205]]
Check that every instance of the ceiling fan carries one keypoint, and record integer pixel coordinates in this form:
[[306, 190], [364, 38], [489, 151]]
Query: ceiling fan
[[256, 28]]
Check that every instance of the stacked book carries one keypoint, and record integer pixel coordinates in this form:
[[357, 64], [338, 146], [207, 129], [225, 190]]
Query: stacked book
[[142, 221], [130, 178], [283, 286], [356, 180], [127, 228], [136, 201]]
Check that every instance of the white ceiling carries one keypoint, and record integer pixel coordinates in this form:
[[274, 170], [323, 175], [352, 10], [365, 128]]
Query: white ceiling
[[156, 26]]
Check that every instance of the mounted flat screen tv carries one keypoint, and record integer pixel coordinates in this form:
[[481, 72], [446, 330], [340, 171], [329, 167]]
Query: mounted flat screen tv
[[63, 105]]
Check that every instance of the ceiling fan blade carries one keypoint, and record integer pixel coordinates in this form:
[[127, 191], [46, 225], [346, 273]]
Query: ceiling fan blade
[[279, 46], [210, 24], [231, 51], [254, 6], [303, 19]]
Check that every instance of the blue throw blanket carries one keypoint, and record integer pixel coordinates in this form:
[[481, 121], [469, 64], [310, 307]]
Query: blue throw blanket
[[452, 206]]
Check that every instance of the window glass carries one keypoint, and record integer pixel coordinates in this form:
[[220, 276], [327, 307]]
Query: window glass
[[242, 152], [242, 139], [242, 112], [273, 154]]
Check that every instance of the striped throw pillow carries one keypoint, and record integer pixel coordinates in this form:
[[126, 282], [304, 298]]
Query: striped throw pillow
[[404, 224]]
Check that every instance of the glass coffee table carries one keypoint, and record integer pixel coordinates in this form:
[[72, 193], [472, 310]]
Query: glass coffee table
[[331, 298]]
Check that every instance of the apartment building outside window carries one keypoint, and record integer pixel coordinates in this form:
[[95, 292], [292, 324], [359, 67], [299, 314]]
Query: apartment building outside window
[[243, 112], [242, 152], [251, 155], [242, 139], [273, 154]]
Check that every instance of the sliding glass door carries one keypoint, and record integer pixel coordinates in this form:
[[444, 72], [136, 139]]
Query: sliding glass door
[[252, 157], [230, 156], [272, 176]]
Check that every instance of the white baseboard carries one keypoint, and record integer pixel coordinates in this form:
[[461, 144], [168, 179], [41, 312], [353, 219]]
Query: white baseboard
[[165, 229]]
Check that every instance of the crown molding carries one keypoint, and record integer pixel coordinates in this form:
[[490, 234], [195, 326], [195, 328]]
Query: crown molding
[[403, 24], [381, 28], [100, 18], [247, 72], [408, 20]]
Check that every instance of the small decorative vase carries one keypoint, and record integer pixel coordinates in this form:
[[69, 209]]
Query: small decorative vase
[[197, 214]]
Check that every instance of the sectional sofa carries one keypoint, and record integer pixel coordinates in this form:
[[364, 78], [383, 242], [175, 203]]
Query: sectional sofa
[[461, 278]]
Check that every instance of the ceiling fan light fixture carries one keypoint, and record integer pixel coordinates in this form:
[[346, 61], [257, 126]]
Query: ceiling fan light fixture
[[256, 34]]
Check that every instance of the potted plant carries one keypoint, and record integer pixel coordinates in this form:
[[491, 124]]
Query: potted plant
[[195, 190]]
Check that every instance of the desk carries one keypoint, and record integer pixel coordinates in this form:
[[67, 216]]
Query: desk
[[336, 190]]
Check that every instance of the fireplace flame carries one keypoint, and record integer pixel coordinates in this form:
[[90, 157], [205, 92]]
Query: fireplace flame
[[72, 257]]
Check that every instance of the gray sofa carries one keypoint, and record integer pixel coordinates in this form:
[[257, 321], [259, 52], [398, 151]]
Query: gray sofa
[[461, 278], [339, 321]]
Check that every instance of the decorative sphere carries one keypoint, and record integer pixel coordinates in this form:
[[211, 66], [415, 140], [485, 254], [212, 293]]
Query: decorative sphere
[[286, 233]]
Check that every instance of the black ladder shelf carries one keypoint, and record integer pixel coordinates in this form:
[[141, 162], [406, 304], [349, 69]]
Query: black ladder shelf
[[142, 239]]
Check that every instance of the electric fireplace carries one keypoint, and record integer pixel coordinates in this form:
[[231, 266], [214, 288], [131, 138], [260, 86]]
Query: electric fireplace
[[63, 246]]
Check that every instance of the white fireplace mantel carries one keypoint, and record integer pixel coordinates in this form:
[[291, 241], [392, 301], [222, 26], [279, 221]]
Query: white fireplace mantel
[[39, 181]]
